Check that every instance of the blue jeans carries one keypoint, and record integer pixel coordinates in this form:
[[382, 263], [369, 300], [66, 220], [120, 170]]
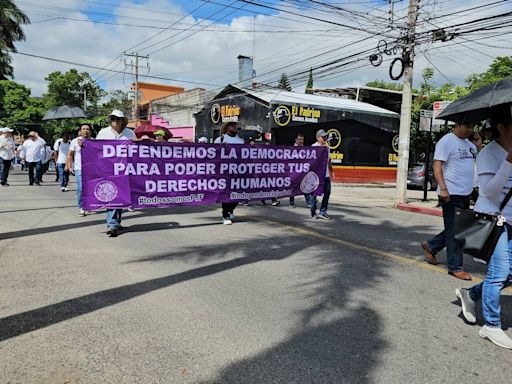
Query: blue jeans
[[445, 238], [499, 274], [292, 200], [78, 179], [311, 199], [114, 218], [63, 175]]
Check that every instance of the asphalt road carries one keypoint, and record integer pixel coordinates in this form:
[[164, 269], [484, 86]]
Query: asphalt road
[[274, 298]]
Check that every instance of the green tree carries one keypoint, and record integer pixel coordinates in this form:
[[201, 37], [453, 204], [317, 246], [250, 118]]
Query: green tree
[[284, 83], [499, 69], [309, 85], [384, 85], [67, 89], [18, 109], [11, 20]]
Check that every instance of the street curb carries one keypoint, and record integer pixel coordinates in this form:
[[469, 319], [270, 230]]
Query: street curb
[[417, 209]]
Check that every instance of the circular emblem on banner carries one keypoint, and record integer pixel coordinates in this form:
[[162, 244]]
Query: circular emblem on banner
[[333, 138], [395, 142], [282, 115], [215, 113], [105, 191], [310, 182]]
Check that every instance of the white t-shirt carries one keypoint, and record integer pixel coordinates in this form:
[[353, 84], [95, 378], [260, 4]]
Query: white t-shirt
[[494, 180], [76, 148], [109, 134], [317, 144], [63, 148], [458, 156], [33, 150], [226, 139], [6, 148]]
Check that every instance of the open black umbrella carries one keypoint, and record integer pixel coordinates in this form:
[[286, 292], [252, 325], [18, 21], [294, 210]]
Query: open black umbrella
[[476, 106], [64, 112]]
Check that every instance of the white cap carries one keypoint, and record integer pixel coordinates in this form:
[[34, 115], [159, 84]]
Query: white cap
[[202, 140], [117, 113], [6, 129]]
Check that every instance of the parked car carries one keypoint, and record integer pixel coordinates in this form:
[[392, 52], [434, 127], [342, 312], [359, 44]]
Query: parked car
[[416, 176]]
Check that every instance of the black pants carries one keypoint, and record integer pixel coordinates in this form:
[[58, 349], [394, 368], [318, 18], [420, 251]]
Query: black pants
[[34, 165], [228, 208], [5, 171]]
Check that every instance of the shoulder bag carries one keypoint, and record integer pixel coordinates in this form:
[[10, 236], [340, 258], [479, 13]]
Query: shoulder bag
[[478, 233]]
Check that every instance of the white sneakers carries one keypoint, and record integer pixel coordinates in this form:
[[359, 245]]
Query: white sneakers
[[496, 335], [81, 212], [468, 305], [64, 189], [226, 221]]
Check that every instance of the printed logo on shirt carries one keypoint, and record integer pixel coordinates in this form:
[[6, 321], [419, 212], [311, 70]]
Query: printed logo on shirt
[[465, 154]]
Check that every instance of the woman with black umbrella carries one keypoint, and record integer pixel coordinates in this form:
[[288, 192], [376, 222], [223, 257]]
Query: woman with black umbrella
[[494, 166]]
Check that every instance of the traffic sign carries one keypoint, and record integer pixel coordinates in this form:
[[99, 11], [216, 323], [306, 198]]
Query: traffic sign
[[439, 106]]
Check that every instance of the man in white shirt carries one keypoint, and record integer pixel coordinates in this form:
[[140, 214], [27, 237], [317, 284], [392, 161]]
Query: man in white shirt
[[74, 162], [60, 155], [6, 154], [116, 131], [321, 141], [454, 171], [33, 148], [229, 135]]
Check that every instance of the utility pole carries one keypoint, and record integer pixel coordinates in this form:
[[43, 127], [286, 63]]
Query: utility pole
[[135, 66], [405, 114]]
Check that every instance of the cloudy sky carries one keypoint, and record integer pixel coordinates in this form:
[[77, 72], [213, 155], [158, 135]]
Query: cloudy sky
[[195, 43]]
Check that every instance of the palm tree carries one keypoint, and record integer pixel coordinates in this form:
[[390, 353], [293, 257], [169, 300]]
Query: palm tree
[[11, 19]]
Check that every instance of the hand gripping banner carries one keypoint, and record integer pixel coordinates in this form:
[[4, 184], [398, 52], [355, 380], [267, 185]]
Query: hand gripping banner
[[120, 174]]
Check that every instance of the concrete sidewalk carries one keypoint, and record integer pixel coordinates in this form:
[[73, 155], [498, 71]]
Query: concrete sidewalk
[[384, 195]]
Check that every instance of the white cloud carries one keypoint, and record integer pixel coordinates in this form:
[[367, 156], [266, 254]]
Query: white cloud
[[210, 57]]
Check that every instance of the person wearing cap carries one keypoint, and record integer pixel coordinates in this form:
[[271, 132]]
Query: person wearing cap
[[321, 141], [116, 131], [229, 135], [454, 171], [6, 154], [32, 152], [159, 136], [74, 161]]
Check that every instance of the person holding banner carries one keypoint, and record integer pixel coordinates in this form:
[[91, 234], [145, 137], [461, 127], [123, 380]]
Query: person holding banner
[[74, 162], [116, 131], [229, 135], [321, 140]]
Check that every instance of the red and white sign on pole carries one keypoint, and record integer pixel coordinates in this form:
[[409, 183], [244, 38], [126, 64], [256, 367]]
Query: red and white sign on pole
[[439, 106]]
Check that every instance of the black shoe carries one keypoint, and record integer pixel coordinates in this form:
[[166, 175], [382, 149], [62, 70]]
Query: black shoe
[[37, 183], [112, 232]]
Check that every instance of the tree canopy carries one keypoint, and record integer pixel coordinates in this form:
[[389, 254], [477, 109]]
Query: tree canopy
[[11, 20], [284, 83]]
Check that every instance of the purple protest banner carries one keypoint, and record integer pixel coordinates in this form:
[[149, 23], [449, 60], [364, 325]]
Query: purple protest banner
[[120, 174]]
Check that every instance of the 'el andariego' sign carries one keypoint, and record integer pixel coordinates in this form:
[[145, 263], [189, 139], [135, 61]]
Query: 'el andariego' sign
[[118, 174]]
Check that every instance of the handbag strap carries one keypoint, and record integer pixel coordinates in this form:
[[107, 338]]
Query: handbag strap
[[506, 199]]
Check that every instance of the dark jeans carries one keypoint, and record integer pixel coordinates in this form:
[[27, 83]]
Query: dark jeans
[[311, 199], [6, 166], [63, 175], [228, 208], [445, 238], [292, 199], [34, 176]]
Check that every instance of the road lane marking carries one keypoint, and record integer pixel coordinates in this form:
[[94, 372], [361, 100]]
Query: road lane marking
[[389, 255]]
